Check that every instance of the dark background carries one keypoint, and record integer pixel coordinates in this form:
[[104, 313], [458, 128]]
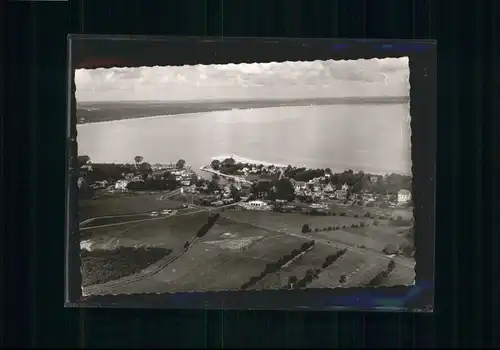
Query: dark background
[[33, 165], [91, 51]]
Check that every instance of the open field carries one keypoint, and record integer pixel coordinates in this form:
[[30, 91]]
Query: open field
[[92, 112], [367, 271], [223, 268], [208, 266], [289, 222], [101, 266], [401, 275], [133, 204], [372, 237], [213, 264], [238, 247], [226, 228], [381, 234], [346, 264], [273, 248], [294, 222], [351, 239], [222, 272], [312, 259], [169, 232]]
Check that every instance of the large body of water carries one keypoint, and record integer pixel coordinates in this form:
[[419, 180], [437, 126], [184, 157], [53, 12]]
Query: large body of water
[[372, 138]]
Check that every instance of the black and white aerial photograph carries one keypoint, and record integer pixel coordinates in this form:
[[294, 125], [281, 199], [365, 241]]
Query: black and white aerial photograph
[[245, 177]]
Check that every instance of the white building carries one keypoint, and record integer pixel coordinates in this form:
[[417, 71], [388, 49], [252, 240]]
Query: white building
[[256, 205], [121, 184], [404, 196]]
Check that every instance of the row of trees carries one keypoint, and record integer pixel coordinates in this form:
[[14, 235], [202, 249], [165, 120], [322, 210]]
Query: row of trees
[[335, 228], [304, 174], [275, 266], [310, 275], [154, 185], [379, 278], [316, 212], [208, 225], [330, 259]]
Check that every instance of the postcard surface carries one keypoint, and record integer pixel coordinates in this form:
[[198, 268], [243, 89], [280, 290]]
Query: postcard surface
[[245, 176]]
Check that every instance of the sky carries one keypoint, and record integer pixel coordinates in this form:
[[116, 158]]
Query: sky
[[275, 80]]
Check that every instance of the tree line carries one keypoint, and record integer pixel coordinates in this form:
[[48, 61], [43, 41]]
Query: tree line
[[281, 189], [313, 273], [208, 225], [276, 266], [382, 275]]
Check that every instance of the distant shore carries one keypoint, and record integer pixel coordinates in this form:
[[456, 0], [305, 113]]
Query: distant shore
[[94, 112], [243, 160]]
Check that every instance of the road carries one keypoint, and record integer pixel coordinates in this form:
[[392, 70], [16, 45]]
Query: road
[[200, 210], [232, 177], [89, 220], [170, 194], [163, 217]]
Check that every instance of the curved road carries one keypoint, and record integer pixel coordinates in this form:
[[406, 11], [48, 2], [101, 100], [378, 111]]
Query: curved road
[[200, 209]]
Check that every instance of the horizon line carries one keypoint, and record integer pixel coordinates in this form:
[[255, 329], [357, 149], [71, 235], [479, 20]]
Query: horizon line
[[400, 98]]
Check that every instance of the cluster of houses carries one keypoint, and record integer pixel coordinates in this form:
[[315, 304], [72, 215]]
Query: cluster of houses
[[223, 196], [315, 189], [164, 167], [184, 176], [318, 190], [259, 170]]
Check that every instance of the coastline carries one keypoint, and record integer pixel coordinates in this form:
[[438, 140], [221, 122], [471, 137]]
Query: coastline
[[239, 159], [101, 111], [337, 169]]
